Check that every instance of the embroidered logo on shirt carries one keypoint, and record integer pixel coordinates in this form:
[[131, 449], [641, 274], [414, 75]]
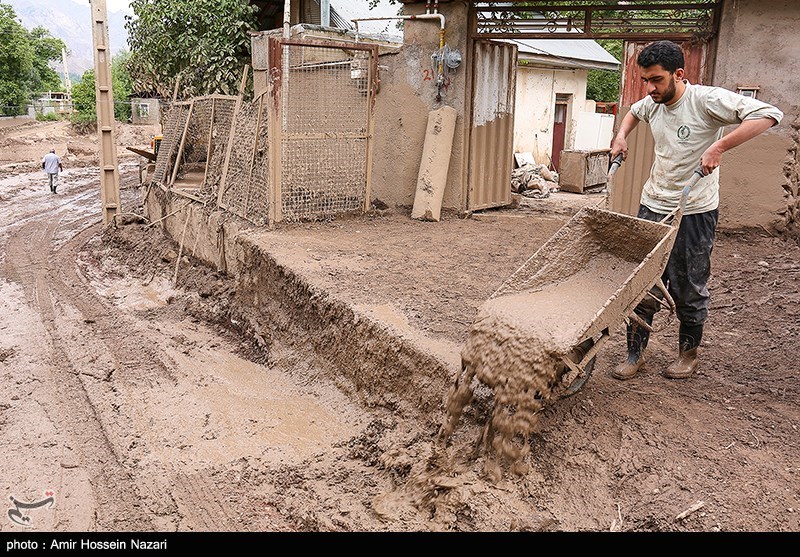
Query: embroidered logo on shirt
[[683, 133]]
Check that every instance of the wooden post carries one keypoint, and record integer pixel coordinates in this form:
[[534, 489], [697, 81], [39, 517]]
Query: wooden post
[[109, 172]]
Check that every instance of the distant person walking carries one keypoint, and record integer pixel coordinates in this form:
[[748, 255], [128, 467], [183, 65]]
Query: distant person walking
[[51, 164]]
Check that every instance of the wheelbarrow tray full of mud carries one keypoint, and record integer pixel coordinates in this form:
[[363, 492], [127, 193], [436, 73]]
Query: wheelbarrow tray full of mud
[[543, 327], [553, 314], [537, 336]]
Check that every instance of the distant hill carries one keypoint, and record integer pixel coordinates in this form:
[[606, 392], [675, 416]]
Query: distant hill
[[71, 22]]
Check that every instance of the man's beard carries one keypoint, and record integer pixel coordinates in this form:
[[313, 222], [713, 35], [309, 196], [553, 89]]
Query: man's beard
[[668, 95]]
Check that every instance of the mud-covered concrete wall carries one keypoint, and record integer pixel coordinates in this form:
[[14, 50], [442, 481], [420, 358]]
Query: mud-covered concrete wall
[[758, 46], [407, 95], [209, 235], [363, 356], [368, 358]]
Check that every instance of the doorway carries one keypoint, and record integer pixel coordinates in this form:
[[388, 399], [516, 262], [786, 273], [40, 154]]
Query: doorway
[[559, 129]]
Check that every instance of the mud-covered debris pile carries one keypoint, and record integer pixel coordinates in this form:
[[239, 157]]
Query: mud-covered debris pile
[[518, 355]]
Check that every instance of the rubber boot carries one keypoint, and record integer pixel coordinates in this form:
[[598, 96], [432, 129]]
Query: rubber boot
[[637, 337], [689, 339]]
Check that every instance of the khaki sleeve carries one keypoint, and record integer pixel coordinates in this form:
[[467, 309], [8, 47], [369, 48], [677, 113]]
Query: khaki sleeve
[[640, 111], [728, 108]]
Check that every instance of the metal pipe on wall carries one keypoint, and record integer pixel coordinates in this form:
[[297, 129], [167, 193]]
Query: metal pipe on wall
[[325, 13], [287, 16]]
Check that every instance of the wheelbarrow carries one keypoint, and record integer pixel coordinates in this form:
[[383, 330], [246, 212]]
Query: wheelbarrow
[[557, 309]]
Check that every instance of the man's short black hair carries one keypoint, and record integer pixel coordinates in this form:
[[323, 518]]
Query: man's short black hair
[[666, 54]]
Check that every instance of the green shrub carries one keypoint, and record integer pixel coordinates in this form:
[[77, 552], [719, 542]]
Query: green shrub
[[84, 122], [50, 117]]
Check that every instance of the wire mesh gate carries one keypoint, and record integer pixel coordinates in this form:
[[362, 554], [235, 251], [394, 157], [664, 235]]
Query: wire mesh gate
[[321, 99]]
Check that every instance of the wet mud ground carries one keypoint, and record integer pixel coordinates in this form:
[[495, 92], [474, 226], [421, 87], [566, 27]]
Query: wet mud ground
[[144, 404]]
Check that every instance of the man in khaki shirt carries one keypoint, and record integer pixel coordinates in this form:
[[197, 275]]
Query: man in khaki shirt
[[687, 122]]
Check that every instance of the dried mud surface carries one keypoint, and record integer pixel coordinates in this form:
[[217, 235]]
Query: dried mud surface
[[146, 403]]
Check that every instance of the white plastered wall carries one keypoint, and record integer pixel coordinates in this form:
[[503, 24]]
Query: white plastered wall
[[535, 103]]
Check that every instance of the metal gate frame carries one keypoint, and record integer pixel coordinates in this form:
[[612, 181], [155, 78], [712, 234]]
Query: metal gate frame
[[276, 91]]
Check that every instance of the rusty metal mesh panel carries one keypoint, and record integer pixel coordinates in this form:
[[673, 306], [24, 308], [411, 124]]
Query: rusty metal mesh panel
[[194, 151], [175, 120], [247, 186], [222, 120], [322, 178], [325, 106]]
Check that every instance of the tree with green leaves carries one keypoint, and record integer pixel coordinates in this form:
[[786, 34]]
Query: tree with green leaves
[[84, 99], [203, 45], [603, 85], [24, 62], [16, 62], [121, 85], [46, 49]]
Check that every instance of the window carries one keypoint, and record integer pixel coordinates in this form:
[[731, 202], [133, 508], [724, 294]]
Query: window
[[562, 101], [748, 90]]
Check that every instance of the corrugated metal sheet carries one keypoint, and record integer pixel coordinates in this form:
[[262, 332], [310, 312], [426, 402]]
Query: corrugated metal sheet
[[633, 173], [633, 88], [492, 125]]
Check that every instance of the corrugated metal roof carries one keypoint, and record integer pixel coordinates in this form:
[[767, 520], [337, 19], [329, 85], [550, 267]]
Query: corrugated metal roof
[[571, 53]]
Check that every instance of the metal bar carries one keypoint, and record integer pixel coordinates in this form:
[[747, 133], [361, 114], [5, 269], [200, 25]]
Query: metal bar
[[210, 138], [572, 36], [326, 44], [231, 134], [325, 135], [276, 88], [544, 6], [641, 322], [370, 129], [325, 13]]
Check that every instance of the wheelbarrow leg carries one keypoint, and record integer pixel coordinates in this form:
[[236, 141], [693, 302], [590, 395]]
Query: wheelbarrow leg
[[579, 364], [669, 301]]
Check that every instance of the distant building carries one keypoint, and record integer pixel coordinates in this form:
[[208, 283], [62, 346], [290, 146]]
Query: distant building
[[552, 112], [53, 102], [145, 110]]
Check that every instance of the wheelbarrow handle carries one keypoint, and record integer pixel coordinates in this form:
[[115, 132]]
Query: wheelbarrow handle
[[696, 175], [674, 217], [615, 164]]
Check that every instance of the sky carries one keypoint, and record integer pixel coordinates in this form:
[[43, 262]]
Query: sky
[[111, 5]]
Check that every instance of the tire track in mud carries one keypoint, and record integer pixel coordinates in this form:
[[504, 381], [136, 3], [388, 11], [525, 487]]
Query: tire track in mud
[[94, 357], [30, 263]]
